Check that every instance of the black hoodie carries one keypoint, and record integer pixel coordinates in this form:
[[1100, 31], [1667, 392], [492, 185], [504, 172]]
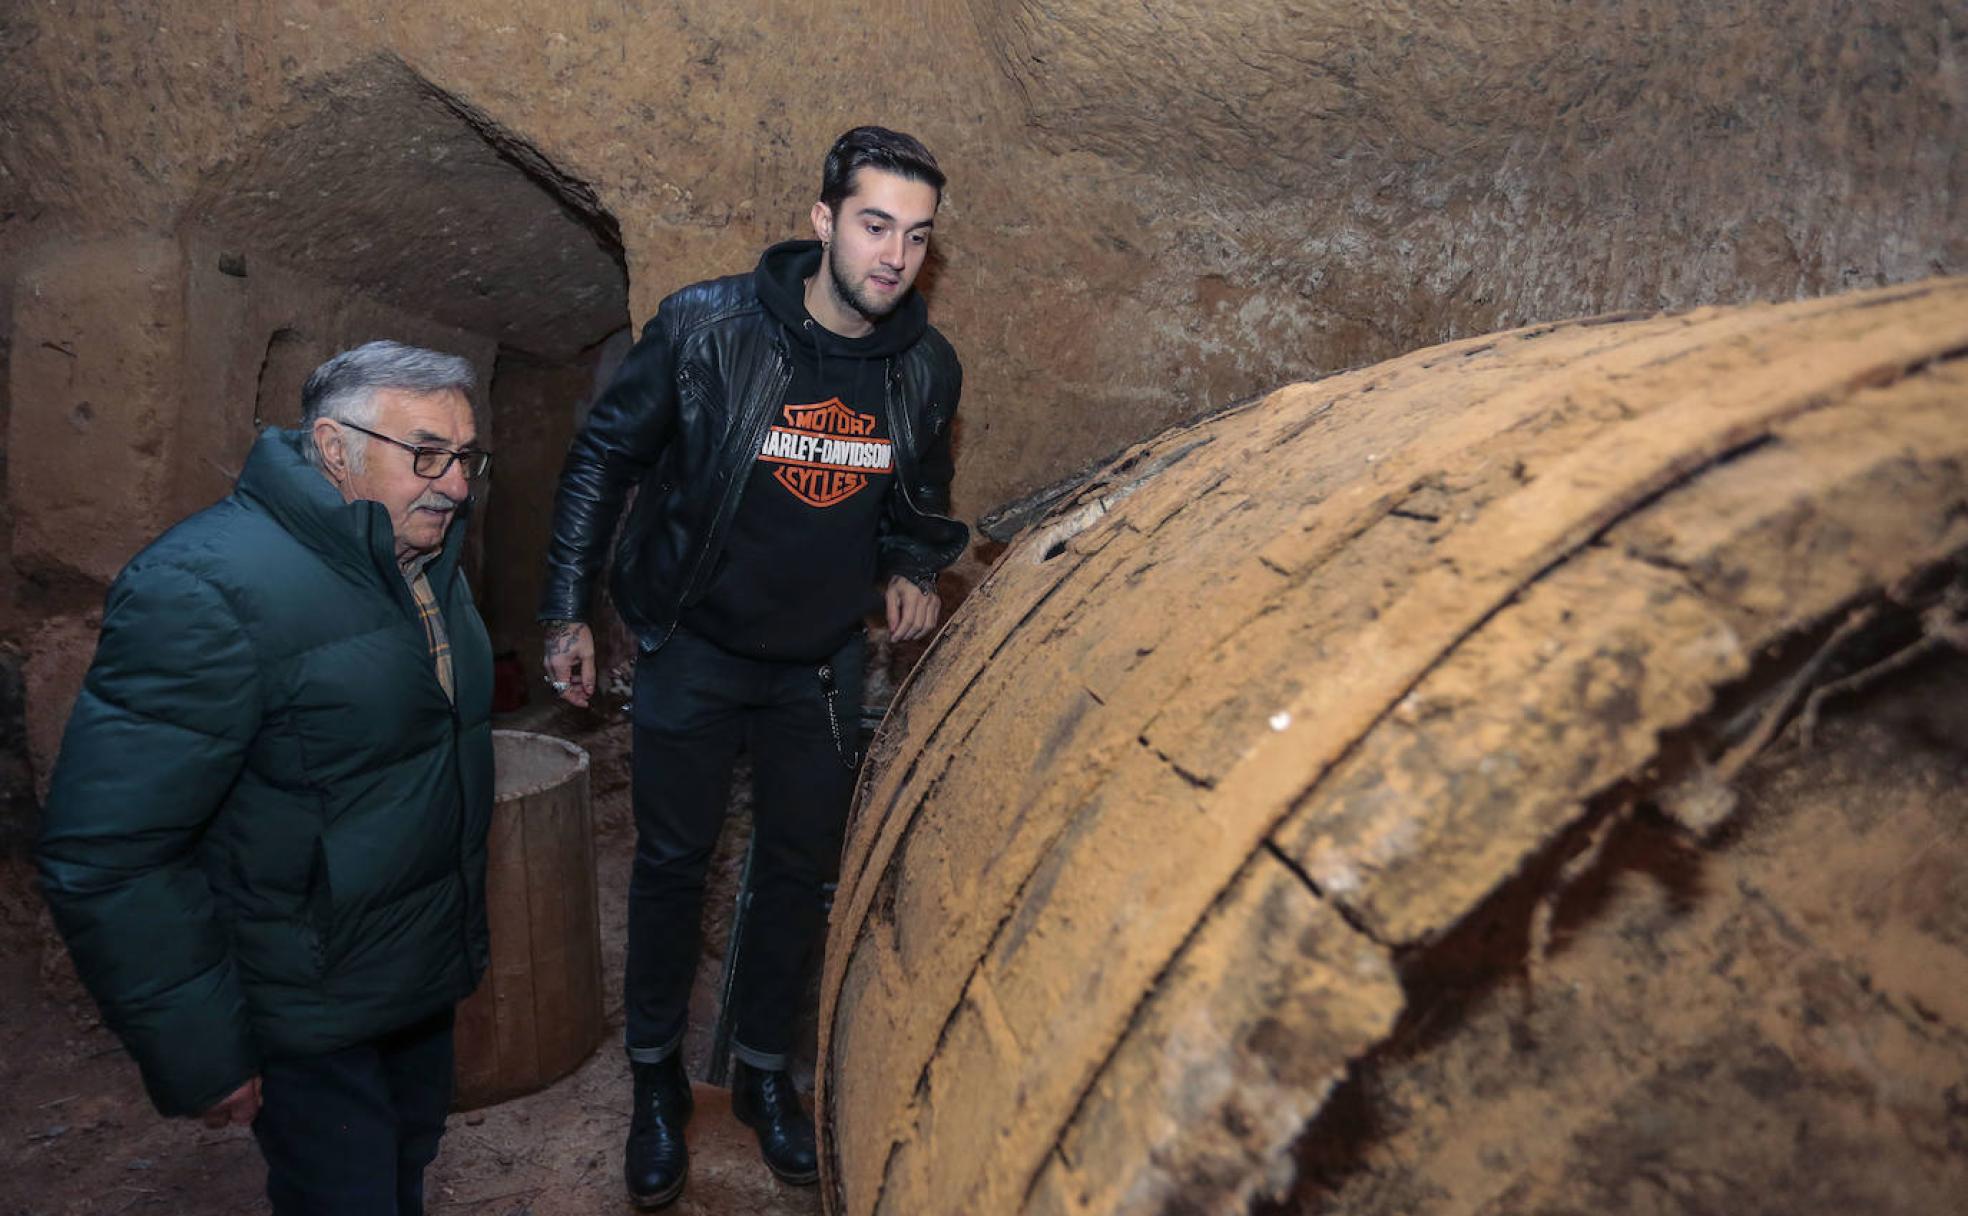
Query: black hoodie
[[797, 572]]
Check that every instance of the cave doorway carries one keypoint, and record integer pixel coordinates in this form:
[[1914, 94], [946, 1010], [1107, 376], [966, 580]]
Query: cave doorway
[[381, 205]]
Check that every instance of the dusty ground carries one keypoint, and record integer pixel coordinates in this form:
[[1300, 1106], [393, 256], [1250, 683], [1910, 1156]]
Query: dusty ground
[[77, 1135]]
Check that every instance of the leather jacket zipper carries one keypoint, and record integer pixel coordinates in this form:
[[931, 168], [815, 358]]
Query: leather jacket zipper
[[904, 442], [759, 416]]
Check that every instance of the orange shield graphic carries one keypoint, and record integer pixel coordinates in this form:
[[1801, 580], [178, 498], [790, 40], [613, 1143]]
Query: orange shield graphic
[[825, 452]]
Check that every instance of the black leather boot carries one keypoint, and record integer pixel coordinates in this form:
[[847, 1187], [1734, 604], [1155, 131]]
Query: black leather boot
[[765, 1102], [656, 1161]]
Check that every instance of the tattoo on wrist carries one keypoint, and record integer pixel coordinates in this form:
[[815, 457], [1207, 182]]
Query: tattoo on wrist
[[561, 636]]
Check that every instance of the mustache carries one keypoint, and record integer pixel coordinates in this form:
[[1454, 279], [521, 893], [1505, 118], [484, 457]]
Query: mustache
[[437, 500]]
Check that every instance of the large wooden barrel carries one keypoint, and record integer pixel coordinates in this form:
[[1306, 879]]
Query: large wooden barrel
[[538, 1013], [1414, 780]]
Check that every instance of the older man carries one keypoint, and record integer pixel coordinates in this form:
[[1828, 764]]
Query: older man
[[265, 837]]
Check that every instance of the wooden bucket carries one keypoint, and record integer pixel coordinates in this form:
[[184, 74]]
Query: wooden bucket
[[537, 1015]]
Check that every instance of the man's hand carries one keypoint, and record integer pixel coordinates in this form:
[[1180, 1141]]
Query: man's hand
[[912, 612], [571, 661], [238, 1108]]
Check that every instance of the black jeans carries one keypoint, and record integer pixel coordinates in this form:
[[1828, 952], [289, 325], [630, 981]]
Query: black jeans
[[349, 1133], [694, 704]]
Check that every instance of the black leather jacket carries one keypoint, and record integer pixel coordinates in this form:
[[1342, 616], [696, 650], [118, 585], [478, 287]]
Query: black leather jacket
[[683, 421]]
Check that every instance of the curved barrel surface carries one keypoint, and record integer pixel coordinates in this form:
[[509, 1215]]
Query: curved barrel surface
[[1167, 823]]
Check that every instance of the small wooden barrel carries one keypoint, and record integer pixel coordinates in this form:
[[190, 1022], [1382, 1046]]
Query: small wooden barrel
[[537, 1014]]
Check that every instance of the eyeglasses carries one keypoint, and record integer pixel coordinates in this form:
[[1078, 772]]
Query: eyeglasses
[[433, 463]]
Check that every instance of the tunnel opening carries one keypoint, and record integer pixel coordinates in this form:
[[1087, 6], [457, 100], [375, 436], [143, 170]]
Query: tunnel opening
[[384, 206]]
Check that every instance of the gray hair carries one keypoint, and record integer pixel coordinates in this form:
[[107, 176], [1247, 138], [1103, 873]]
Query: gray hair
[[344, 388]]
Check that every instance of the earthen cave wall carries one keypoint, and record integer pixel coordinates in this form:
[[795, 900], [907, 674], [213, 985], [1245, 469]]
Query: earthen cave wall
[[1155, 209], [534, 407]]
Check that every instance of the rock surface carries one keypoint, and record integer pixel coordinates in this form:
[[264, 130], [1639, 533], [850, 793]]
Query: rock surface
[[1154, 209]]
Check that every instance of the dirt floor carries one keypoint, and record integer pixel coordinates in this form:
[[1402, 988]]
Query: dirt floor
[[77, 1134]]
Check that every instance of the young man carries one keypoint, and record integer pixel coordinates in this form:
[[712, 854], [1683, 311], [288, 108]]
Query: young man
[[265, 835], [789, 434]]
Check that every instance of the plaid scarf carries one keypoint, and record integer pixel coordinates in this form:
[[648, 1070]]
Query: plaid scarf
[[440, 642]]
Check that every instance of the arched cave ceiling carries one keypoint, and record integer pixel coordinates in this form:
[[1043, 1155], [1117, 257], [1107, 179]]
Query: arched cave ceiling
[[376, 179]]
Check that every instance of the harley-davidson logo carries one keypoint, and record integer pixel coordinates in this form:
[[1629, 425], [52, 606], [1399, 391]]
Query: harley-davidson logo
[[826, 452]]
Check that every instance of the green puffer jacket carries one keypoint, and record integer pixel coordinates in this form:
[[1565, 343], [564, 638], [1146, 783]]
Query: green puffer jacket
[[265, 835]]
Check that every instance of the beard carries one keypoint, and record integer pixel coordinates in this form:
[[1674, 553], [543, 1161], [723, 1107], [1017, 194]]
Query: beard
[[855, 297]]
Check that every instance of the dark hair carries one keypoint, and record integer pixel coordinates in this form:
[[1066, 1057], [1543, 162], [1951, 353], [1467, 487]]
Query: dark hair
[[876, 148]]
